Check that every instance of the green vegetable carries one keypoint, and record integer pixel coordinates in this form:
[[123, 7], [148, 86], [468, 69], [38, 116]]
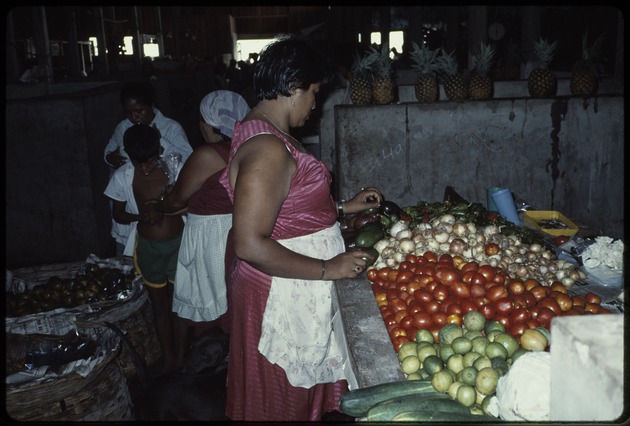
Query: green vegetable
[[357, 402], [369, 235], [388, 409], [441, 416]]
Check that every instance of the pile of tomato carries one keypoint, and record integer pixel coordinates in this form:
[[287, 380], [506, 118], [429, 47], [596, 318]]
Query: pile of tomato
[[428, 291]]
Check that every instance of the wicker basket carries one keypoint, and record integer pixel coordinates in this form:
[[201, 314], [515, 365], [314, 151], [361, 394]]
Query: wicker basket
[[102, 395]]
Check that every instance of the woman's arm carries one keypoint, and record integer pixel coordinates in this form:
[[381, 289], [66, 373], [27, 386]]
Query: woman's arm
[[121, 215]]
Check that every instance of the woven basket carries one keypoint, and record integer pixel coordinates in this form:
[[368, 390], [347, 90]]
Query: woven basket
[[102, 395]]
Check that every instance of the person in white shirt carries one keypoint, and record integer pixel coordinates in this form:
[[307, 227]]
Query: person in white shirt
[[138, 102]]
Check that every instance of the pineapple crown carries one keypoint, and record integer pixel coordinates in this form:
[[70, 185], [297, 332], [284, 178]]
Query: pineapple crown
[[362, 64], [483, 60], [447, 63], [544, 52], [590, 54], [382, 65], [424, 60]]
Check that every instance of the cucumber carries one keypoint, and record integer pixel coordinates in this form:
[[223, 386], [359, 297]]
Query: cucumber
[[440, 416], [369, 235], [386, 410], [357, 402]]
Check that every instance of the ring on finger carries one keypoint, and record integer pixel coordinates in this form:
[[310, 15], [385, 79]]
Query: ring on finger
[[357, 269]]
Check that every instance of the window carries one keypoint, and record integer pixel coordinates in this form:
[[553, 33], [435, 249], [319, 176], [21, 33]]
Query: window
[[245, 47]]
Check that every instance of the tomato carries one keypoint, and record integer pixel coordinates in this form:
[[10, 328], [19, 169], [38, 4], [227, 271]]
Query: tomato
[[390, 320], [468, 306], [372, 274], [518, 328], [440, 292], [446, 258], [414, 306], [401, 286], [460, 290], [538, 292], [503, 319], [430, 256], [550, 303], [501, 277], [477, 290], [530, 283], [412, 286], [385, 310], [478, 278], [454, 319], [529, 298], [492, 248], [544, 316], [398, 305], [422, 295], [488, 311], [447, 276], [398, 341], [592, 298], [454, 308], [458, 261], [422, 320], [479, 301], [578, 300], [391, 293], [564, 301], [404, 276], [432, 306], [406, 322], [423, 280], [439, 318], [392, 275], [496, 292], [516, 286], [470, 266], [404, 265], [519, 301], [383, 272], [411, 258], [592, 308], [503, 305], [397, 331], [399, 315], [558, 286], [427, 269], [487, 271], [520, 315]]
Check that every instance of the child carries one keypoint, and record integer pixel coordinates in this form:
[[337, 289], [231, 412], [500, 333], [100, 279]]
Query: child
[[157, 242]]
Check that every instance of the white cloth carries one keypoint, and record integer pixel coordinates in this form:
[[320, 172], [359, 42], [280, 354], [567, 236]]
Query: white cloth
[[222, 109], [200, 290], [173, 139], [120, 189], [297, 329]]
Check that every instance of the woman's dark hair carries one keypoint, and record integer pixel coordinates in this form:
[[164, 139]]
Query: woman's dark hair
[[288, 63], [140, 91], [141, 142]]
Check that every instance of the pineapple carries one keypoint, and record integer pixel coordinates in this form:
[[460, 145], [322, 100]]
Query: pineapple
[[542, 83], [383, 88], [361, 80], [455, 85], [481, 86], [584, 77], [424, 62]]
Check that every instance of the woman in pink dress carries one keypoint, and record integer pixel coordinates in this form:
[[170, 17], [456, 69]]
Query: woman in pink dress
[[286, 363]]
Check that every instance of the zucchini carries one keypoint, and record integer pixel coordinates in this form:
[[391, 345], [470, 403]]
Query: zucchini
[[369, 235], [386, 410], [440, 416], [357, 402]]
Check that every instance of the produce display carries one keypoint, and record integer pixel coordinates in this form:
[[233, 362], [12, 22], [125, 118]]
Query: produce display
[[463, 293], [96, 284]]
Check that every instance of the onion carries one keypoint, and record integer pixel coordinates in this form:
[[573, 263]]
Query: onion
[[407, 245], [381, 245], [457, 246], [536, 248], [460, 229], [447, 218], [441, 237], [397, 227], [404, 234]]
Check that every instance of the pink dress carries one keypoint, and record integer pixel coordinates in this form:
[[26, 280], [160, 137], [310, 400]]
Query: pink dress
[[256, 389]]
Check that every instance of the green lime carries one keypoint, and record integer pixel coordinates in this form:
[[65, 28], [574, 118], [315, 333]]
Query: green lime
[[445, 352], [493, 325], [470, 358], [479, 344], [424, 335], [496, 349], [482, 362], [455, 363], [449, 332], [466, 395], [406, 349], [426, 350], [410, 364], [461, 345], [486, 381], [441, 381], [474, 321], [508, 341], [468, 375], [432, 364]]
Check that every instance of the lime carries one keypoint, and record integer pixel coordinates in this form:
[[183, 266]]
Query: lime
[[476, 410], [421, 344], [466, 395], [441, 381], [517, 354], [468, 375], [508, 341], [486, 381], [474, 321], [479, 344], [471, 357], [452, 389], [426, 350], [414, 376], [493, 325], [432, 364], [496, 349], [445, 352], [485, 404], [455, 363], [449, 332], [461, 345], [482, 362], [472, 334], [406, 349], [424, 335], [410, 364], [492, 334]]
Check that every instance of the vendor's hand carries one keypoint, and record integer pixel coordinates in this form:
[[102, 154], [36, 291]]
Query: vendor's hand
[[347, 265], [150, 214], [115, 159], [367, 198]]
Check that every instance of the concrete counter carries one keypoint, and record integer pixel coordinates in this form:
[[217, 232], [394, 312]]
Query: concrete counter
[[371, 353]]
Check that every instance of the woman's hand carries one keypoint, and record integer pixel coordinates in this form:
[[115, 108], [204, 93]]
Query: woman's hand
[[347, 265], [367, 198], [150, 214]]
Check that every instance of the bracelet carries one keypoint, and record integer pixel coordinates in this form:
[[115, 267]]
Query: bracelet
[[340, 208], [323, 269]]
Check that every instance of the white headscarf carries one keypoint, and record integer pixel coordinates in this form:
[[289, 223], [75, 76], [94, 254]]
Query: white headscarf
[[221, 109]]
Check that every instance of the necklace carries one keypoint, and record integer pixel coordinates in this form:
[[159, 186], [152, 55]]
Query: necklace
[[273, 123]]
